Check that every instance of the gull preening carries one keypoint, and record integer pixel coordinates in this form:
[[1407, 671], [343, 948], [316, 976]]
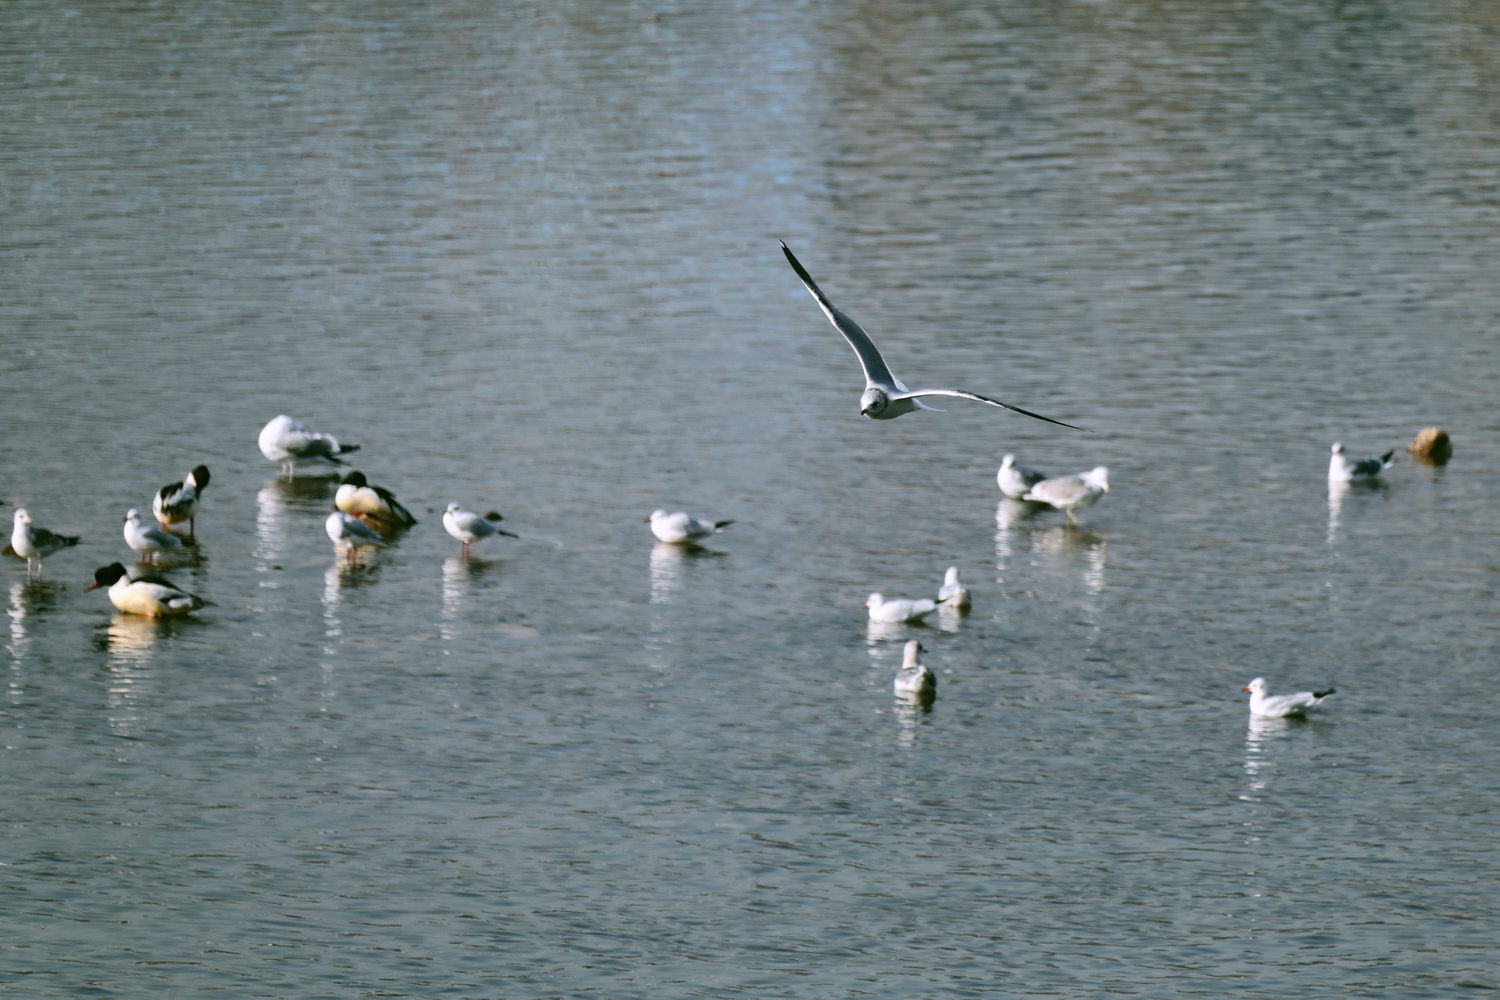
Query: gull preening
[[1015, 482], [914, 682], [953, 594], [885, 397], [147, 539], [288, 442], [899, 609], [178, 502], [469, 527], [1342, 469], [349, 533], [1278, 706], [371, 503], [1071, 492], [683, 529], [34, 544], [152, 596]]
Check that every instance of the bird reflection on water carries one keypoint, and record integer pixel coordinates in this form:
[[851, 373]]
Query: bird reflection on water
[[275, 506], [669, 565]]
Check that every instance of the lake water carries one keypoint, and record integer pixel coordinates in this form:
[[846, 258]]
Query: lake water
[[526, 256]]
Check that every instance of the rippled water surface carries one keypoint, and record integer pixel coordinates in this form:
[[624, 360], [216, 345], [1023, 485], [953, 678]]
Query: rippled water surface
[[526, 256]]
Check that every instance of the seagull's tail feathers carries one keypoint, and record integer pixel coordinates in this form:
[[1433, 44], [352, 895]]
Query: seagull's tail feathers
[[1385, 460], [1320, 695], [721, 525], [344, 449]]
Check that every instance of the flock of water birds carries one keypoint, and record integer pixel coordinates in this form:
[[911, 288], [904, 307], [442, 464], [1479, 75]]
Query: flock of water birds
[[367, 516]]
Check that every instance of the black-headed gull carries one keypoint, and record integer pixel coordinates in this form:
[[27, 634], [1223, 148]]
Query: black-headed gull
[[1071, 492], [681, 528], [349, 533], [1342, 469], [899, 609], [152, 596], [288, 442], [147, 539], [1015, 482], [953, 594], [1277, 706], [914, 682], [34, 544], [178, 502], [469, 527], [885, 397], [371, 503]]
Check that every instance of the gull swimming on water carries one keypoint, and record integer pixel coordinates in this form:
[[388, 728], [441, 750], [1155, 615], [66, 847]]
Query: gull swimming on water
[[914, 682], [349, 533], [1071, 492], [885, 397], [288, 442], [371, 503], [468, 527], [953, 594], [1277, 706], [178, 502], [1015, 482], [152, 596], [1344, 470], [34, 544], [899, 609], [681, 528]]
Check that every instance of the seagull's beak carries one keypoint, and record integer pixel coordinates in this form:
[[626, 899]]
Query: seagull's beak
[[1245, 688]]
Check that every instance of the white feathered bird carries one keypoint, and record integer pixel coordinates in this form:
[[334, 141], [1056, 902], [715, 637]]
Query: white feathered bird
[[1277, 706]]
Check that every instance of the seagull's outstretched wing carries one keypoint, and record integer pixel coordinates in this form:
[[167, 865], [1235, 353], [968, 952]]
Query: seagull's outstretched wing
[[876, 373], [983, 399]]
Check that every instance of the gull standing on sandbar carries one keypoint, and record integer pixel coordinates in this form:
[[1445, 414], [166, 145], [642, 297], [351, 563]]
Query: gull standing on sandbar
[[33, 543], [885, 397]]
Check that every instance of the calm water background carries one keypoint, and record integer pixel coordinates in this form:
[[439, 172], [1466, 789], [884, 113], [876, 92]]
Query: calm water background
[[525, 254]]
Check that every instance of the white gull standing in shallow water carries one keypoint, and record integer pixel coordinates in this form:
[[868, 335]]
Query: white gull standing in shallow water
[[349, 533], [468, 527], [1071, 492], [1341, 469], [682, 529], [34, 544], [178, 502], [288, 442], [147, 539], [953, 594], [884, 396], [914, 682], [898, 609], [1278, 706], [1015, 482]]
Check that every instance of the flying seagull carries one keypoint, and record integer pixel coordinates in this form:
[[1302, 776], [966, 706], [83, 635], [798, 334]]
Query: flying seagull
[[885, 397]]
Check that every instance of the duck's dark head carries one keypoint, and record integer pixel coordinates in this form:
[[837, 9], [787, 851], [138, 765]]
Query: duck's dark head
[[355, 478], [106, 576], [199, 476]]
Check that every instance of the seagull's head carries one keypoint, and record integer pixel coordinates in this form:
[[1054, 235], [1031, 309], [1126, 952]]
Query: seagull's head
[[1257, 686], [1338, 449], [22, 517], [132, 515], [873, 403]]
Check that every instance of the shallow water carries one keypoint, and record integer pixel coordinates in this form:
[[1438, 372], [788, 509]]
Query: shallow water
[[526, 257]]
